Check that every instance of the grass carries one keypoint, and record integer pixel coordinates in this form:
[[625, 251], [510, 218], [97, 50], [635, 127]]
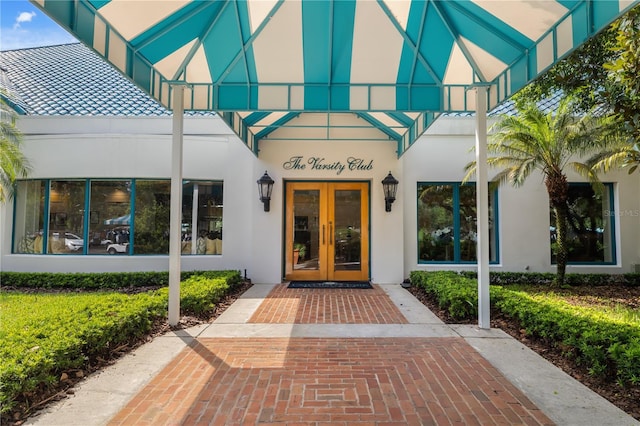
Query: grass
[[44, 335], [604, 339], [608, 307]]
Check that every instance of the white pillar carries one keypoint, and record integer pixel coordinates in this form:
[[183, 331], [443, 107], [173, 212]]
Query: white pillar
[[482, 208], [175, 221]]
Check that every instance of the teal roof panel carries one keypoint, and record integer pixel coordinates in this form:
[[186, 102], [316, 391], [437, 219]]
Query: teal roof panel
[[334, 56]]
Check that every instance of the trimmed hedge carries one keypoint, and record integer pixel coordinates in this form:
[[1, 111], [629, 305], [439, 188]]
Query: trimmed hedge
[[97, 281], [44, 335], [547, 278], [456, 294], [606, 346]]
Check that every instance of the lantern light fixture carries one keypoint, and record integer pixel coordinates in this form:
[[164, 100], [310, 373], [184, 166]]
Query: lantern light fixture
[[389, 186], [265, 186]]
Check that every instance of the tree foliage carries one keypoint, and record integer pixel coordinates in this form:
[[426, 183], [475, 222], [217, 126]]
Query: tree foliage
[[13, 163], [550, 144], [601, 75]]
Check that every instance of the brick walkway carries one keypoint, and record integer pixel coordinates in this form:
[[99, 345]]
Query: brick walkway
[[327, 306], [322, 381]]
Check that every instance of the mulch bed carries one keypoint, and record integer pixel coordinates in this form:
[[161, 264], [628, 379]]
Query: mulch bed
[[625, 398]]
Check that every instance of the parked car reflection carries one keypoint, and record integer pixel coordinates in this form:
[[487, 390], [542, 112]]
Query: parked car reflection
[[72, 242]]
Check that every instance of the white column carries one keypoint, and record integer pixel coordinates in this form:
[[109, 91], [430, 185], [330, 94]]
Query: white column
[[482, 208], [175, 221]]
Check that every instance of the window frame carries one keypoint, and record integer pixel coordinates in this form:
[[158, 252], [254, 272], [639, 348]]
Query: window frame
[[456, 225], [86, 218], [609, 189]]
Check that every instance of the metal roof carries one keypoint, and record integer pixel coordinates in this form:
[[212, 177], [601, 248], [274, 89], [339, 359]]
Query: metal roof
[[71, 80], [334, 69]]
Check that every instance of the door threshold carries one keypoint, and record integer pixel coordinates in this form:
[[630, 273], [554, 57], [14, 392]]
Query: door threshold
[[330, 284]]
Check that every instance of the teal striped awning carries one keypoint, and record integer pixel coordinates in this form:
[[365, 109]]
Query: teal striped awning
[[333, 69]]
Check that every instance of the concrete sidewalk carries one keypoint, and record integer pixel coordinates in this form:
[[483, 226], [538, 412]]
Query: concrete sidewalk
[[103, 396]]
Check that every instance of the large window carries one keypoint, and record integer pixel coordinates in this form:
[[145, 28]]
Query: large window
[[202, 218], [590, 233], [109, 217], [118, 217], [66, 217], [447, 223], [29, 216], [151, 218]]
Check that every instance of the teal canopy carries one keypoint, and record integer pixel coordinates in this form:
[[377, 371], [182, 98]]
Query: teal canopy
[[122, 220], [333, 69]]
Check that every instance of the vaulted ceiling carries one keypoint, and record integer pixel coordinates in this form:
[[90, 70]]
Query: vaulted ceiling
[[333, 69]]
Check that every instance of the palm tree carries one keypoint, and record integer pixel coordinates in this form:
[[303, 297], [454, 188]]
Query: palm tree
[[13, 163], [624, 154], [549, 143]]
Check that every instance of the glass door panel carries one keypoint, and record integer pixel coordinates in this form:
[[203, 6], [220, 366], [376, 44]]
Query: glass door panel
[[306, 235], [305, 242], [348, 218], [347, 253], [327, 227]]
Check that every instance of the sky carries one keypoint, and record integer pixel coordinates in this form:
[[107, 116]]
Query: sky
[[23, 25]]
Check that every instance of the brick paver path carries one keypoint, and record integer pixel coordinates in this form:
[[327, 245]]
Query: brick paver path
[[327, 306], [329, 381]]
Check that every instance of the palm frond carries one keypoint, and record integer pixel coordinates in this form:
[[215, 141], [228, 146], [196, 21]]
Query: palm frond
[[13, 163]]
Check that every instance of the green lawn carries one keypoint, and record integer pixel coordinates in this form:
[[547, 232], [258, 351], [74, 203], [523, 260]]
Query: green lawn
[[43, 335]]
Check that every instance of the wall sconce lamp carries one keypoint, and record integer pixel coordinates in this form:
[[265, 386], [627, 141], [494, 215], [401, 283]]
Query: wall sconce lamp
[[389, 186], [265, 185]]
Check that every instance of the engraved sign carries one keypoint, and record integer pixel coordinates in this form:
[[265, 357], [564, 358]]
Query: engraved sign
[[351, 164]]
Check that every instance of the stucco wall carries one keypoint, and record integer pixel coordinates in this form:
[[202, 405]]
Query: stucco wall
[[523, 225], [386, 237], [68, 147], [137, 148]]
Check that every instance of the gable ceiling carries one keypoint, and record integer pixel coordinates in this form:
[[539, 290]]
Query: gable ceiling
[[333, 69]]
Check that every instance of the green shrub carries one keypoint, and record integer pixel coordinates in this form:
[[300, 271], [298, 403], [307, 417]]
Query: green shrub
[[605, 343], [547, 278], [99, 281], [455, 293], [631, 279], [605, 346], [45, 334]]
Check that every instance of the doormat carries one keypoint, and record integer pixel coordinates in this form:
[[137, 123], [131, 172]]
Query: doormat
[[330, 284]]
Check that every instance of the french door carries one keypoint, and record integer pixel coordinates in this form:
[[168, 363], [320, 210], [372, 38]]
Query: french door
[[327, 231]]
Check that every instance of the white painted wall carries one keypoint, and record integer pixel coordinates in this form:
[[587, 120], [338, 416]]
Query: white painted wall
[[440, 156], [99, 147], [79, 147], [386, 238]]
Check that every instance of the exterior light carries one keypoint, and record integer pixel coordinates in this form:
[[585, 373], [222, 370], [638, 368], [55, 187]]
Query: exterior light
[[265, 185], [389, 186]]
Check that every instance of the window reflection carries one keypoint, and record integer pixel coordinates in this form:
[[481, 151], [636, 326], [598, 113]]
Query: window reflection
[[109, 217], [447, 223], [590, 236], [151, 221], [435, 222], [66, 217], [347, 232], [115, 225], [29, 218], [202, 218]]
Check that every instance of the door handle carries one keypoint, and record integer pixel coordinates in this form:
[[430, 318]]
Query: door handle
[[324, 241], [330, 233]]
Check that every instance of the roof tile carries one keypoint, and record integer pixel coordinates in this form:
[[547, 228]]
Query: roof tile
[[70, 79]]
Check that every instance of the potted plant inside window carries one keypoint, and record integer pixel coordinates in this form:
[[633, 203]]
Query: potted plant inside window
[[299, 252]]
